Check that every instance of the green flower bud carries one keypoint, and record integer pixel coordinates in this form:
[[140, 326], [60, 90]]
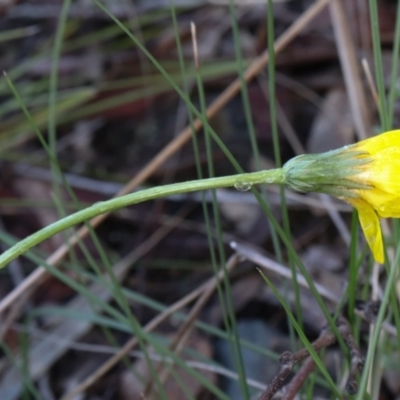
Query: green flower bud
[[328, 172]]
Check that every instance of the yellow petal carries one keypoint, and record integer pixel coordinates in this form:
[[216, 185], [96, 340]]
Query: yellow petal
[[371, 226], [377, 143], [383, 172], [387, 205]]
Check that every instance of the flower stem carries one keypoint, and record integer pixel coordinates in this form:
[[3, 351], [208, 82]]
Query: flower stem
[[241, 182]]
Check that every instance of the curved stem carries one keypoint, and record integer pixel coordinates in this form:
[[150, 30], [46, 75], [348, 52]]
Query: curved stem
[[241, 181]]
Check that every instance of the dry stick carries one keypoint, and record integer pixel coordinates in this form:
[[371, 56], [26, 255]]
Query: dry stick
[[357, 362], [288, 360], [210, 285], [297, 382], [258, 65], [287, 364], [185, 330], [348, 60], [371, 82]]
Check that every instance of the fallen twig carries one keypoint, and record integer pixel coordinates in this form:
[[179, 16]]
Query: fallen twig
[[289, 360]]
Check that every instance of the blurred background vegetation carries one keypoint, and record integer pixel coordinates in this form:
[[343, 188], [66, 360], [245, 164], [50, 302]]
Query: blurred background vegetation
[[195, 296]]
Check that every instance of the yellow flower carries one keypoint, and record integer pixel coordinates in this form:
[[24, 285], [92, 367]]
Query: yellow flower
[[382, 175], [365, 175]]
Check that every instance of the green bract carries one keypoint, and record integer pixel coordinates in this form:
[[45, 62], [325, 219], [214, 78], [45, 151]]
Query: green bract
[[328, 172]]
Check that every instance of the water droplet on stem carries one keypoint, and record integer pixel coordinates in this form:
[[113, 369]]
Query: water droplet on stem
[[243, 186]]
